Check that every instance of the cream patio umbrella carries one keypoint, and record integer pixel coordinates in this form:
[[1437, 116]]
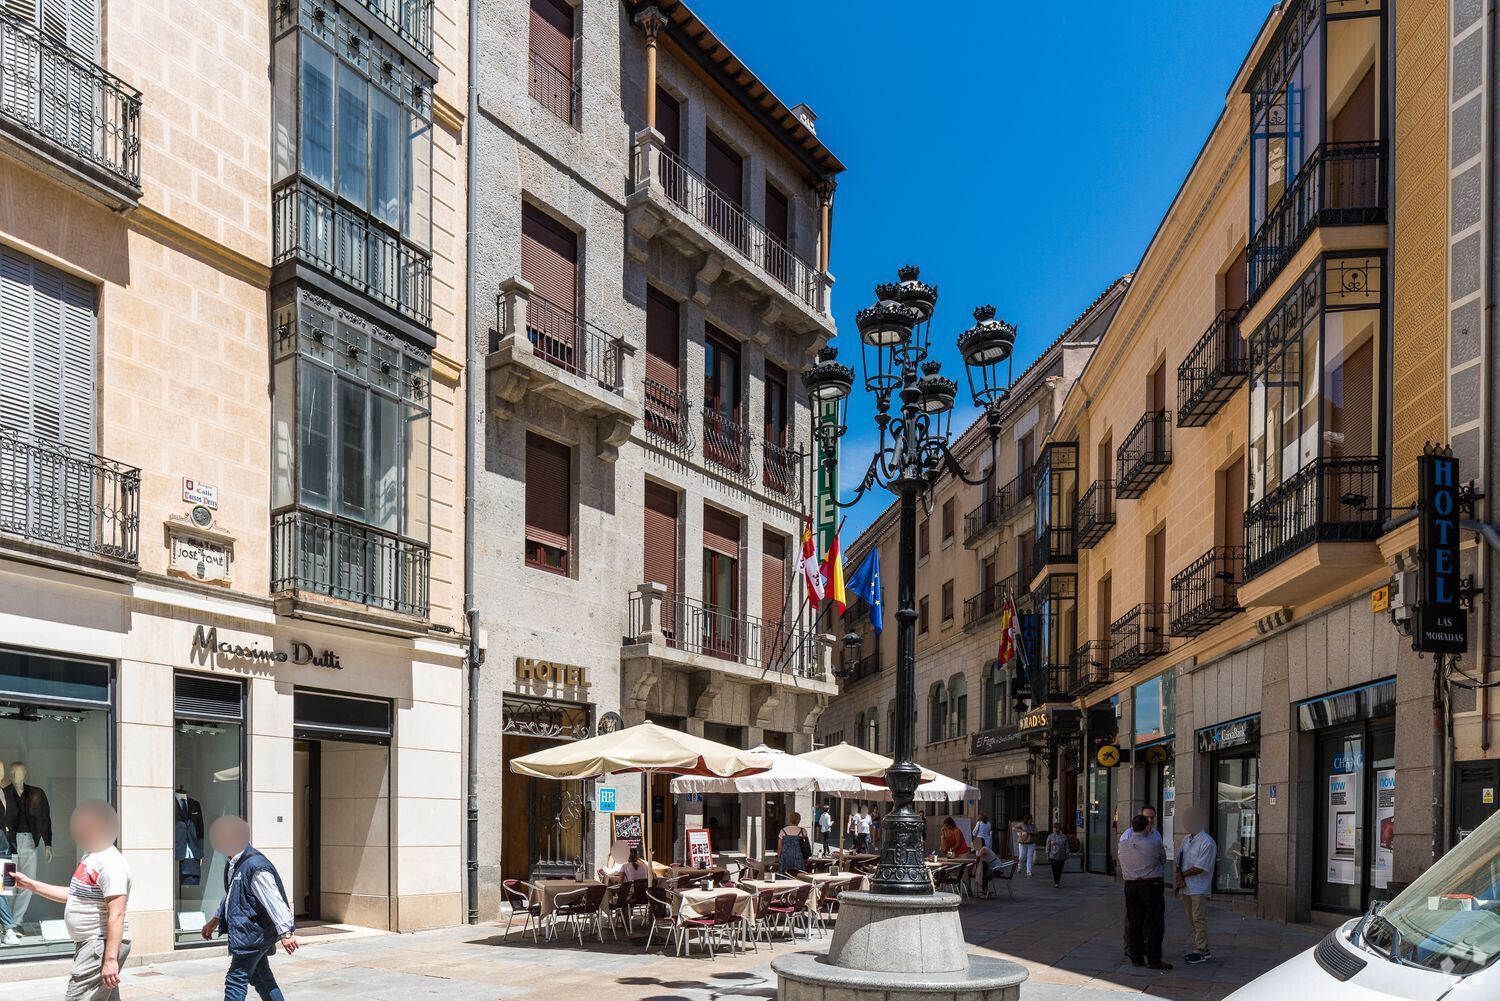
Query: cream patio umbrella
[[644, 748], [788, 773], [939, 787], [856, 761]]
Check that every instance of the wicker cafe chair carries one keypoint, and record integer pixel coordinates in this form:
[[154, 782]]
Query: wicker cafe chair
[[582, 906], [522, 897]]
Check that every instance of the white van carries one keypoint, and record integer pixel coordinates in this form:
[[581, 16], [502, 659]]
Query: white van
[[1439, 938]]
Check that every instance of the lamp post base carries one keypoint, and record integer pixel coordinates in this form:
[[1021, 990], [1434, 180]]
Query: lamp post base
[[885, 945]]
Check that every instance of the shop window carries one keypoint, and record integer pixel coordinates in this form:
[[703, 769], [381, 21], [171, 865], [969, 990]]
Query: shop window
[[549, 504], [55, 745], [209, 754]]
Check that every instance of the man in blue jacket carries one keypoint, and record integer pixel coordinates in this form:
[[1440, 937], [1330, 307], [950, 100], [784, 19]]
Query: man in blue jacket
[[253, 914]]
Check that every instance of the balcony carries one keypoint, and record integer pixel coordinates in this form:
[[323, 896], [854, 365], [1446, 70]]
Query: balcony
[[667, 192], [858, 668], [1205, 594], [311, 226], [60, 498], [683, 633], [727, 445], [1138, 636], [539, 348], [1341, 184], [669, 417], [1053, 547], [1058, 680], [1143, 455], [411, 19], [1090, 668], [354, 563], [554, 90], [1212, 372], [67, 117], [781, 472], [987, 603], [981, 521], [1094, 515], [1331, 500]]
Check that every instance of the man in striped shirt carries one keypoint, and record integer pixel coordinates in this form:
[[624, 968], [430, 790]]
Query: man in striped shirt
[[93, 904]]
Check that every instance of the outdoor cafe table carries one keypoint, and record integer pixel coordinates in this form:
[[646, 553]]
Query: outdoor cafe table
[[548, 890], [776, 887], [700, 903]]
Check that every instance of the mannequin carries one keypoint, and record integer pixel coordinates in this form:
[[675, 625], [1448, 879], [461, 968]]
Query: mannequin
[[8, 933], [187, 838], [33, 831]]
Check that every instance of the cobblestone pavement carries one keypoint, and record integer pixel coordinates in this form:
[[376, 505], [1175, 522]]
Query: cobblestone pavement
[[1069, 939]]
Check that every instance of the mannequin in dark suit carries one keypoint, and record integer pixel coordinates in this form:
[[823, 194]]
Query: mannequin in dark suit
[[187, 837]]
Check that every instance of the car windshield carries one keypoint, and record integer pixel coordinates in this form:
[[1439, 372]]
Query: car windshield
[[1448, 919]]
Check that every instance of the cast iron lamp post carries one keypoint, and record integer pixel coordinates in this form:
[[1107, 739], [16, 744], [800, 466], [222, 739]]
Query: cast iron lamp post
[[911, 456]]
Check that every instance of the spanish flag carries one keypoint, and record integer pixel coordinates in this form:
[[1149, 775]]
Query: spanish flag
[[833, 575]]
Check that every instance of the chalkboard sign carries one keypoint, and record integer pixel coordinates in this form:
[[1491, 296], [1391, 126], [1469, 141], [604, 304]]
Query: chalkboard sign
[[700, 850], [627, 828]]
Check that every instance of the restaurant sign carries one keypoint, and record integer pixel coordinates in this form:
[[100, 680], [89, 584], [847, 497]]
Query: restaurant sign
[[1235, 733], [1440, 623], [995, 741]]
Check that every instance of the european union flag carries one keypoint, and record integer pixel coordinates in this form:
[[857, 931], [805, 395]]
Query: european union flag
[[865, 582]]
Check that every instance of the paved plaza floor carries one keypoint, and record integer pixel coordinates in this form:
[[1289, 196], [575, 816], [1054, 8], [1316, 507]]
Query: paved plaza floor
[[1069, 940]]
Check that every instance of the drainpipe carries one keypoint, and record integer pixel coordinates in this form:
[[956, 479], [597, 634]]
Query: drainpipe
[[1486, 480], [471, 409]]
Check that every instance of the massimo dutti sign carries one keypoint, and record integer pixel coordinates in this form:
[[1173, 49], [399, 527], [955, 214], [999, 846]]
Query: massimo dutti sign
[[206, 643], [1440, 623]]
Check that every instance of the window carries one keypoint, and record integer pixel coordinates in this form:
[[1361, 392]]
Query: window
[[872, 720], [937, 713], [209, 754], [553, 75], [948, 603], [992, 708], [958, 700], [924, 547], [666, 404], [890, 727], [549, 264], [721, 596], [922, 616], [780, 470], [778, 227], [948, 519], [723, 434], [726, 190], [549, 504], [776, 405]]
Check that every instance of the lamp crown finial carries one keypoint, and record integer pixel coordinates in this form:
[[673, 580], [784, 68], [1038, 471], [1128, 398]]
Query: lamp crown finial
[[908, 272], [932, 367], [827, 353], [985, 312]]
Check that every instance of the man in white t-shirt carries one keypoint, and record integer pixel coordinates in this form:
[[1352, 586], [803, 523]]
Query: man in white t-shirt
[[93, 904], [825, 828], [862, 830]]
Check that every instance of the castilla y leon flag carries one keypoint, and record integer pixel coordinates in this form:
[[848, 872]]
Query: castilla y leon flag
[[1010, 634], [810, 569], [833, 574]]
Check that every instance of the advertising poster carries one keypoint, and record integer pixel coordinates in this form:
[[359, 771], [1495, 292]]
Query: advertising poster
[[1343, 828], [700, 850], [1385, 825], [1168, 815]]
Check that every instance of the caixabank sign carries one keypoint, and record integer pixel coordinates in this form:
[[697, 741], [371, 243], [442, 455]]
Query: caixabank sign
[[1440, 623]]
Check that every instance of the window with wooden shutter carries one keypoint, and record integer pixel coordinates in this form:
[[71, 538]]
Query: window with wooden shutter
[[549, 264], [549, 504], [552, 76], [948, 520], [922, 616], [665, 416], [722, 631], [669, 121], [726, 183], [721, 532], [75, 23], [661, 551], [924, 547], [778, 224], [948, 601], [773, 593]]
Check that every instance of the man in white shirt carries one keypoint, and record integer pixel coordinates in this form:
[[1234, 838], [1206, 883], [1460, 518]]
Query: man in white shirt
[[825, 827], [93, 904], [982, 830], [862, 830], [1195, 878]]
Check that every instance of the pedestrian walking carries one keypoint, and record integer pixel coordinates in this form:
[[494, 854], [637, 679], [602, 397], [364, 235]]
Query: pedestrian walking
[[1057, 853], [874, 830], [851, 832], [1195, 879], [93, 903], [1142, 859], [253, 915], [824, 824], [1025, 831], [983, 832], [792, 848], [862, 830]]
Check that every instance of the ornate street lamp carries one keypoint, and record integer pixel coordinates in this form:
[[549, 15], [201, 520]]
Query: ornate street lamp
[[912, 454]]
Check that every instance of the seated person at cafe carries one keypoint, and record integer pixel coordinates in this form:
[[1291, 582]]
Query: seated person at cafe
[[988, 863], [952, 842], [632, 868]]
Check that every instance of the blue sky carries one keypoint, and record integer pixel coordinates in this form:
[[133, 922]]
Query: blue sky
[[1023, 159]]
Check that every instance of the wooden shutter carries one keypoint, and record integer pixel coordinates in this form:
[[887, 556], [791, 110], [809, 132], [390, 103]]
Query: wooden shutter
[[1158, 558], [549, 258], [669, 120], [1236, 281], [948, 519], [778, 214], [923, 544], [1355, 404], [1158, 388], [726, 170], [552, 34], [773, 576], [1232, 504], [661, 536], [663, 340], [721, 532], [47, 334], [776, 405], [549, 493]]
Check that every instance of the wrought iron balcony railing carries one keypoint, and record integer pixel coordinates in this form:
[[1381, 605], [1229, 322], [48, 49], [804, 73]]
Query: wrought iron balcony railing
[[573, 344], [1145, 452], [988, 602], [781, 471], [329, 556], [312, 225], [668, 416], [1095, 514], [726, 444], [691, 626], [1138, 636], [1090, 668], [1054, 546], [1212, 371], [554, 90], [411, 19], [50, 92], [1341, 184], [980, 521], [654, 163], [1205, 594], [1330, 500], [1057, 680], [63, 497], [858, 668]]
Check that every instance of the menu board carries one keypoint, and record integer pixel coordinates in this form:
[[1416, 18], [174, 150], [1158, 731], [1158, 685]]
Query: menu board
[[627, 828], [700, 850]]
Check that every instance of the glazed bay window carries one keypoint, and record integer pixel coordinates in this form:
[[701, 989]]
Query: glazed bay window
[[351, 476], [1317, 374], [352, 158]]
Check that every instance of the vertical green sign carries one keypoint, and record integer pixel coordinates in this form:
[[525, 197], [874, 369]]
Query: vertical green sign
[[826, 479]]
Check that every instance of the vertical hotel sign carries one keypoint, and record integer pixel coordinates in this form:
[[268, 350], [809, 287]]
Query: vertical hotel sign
[[1440, 623], [826, 515]]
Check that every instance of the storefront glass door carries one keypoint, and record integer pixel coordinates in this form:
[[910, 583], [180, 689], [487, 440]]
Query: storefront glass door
[[1235, 820], [1100, 819], [208, 737]]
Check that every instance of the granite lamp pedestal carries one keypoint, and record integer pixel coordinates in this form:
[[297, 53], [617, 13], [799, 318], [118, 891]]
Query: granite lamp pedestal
[[897, 948]]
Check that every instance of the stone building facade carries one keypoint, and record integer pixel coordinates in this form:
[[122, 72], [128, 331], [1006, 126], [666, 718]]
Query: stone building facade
[[653, 236], [192, 622]]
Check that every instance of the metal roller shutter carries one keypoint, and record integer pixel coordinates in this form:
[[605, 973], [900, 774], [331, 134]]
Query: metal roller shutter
[[199, 697], [549, 258], [552, 34], [548, 492], [663, 340], [721, 532], [661, 536], [773, 576]]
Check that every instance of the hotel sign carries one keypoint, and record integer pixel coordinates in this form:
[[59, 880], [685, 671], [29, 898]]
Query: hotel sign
[[532, 671], [1037, 719], [206, 643], [1440, 623]]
